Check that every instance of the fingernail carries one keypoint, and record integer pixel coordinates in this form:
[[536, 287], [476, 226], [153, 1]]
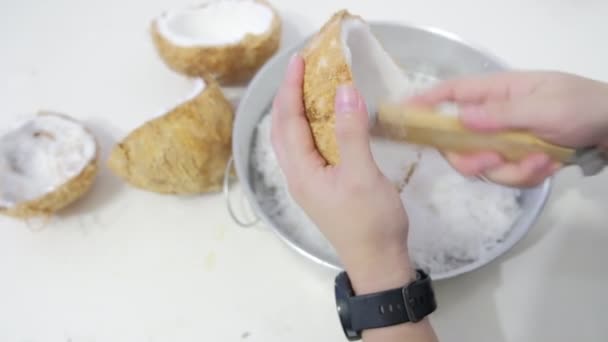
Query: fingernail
[[292, 61], [347, 99]]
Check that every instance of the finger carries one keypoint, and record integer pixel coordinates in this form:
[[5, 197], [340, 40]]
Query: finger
[[474, 164], [352, 131], [291, 136], [472, 89], [498, 115], [531, 171]]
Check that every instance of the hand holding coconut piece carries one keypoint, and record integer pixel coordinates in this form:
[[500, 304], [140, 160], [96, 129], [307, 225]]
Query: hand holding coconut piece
[[228, 39], [46, 164], [184, 151]]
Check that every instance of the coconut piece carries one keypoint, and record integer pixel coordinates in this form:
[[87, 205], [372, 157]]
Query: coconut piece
[[46, 163], [229, 39], [184, 151], [345, 51]]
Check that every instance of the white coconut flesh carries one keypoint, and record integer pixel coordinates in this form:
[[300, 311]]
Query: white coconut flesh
[[221, 22], [378, 78], [41, 155], [196, 85], [374, 72]]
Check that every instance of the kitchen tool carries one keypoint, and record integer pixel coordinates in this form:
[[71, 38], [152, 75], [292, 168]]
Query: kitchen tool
[[425, 51], [445, 132]]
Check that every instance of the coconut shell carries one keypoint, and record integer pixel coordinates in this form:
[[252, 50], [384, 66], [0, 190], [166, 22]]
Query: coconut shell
[[52, 202], [182, 152], [64, 195], [325, 69], [229, 64]]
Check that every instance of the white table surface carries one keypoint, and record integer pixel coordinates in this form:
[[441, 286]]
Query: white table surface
[[127, 265]]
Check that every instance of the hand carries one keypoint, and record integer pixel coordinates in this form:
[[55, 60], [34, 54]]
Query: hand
[[353, 204], [563, 109]]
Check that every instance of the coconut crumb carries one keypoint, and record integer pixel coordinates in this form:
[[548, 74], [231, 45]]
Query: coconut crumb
[[410, 172]]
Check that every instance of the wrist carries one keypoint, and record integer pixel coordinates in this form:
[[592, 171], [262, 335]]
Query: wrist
[[380, 271]]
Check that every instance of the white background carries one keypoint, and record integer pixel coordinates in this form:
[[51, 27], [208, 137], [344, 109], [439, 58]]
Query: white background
[[126, 265]]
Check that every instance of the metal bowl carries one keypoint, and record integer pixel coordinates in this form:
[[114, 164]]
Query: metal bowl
[[425, 50]]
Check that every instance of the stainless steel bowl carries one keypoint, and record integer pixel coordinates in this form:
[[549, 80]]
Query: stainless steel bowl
[[425, 50]]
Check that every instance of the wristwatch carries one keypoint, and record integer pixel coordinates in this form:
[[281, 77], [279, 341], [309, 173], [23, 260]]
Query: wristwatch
[[410, 303]]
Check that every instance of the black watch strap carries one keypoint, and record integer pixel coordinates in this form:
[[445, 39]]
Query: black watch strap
[[408, 304]]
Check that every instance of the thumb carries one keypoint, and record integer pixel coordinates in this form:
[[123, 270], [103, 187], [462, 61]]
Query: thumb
[[496, 115], [352, 131]]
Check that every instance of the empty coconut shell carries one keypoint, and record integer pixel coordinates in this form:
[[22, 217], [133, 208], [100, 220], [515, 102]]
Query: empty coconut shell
[[184, 151]]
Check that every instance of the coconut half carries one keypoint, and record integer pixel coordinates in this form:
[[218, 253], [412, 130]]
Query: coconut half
[[184, 151], [46, 163], [229, 39], [345, 51]]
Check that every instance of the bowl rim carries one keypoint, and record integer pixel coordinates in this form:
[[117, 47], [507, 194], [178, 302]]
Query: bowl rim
[[495, 254]]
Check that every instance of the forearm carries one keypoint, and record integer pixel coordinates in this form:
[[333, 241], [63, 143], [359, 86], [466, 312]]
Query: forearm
[[379, 273], [420, 331]]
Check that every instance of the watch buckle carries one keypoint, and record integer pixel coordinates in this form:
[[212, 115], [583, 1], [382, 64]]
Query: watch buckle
[[409, 303]]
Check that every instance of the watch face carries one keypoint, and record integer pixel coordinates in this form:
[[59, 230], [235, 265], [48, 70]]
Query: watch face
[[343, 293]]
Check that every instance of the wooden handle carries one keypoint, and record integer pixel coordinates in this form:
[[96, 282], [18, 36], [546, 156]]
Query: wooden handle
[[446, 133]]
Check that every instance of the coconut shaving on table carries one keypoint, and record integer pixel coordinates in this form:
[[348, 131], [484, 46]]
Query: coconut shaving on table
[[454, 220]]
